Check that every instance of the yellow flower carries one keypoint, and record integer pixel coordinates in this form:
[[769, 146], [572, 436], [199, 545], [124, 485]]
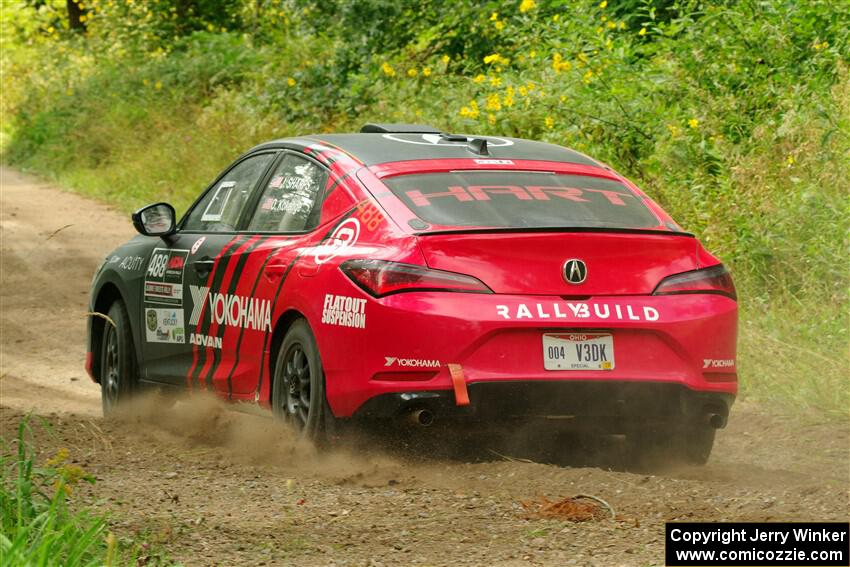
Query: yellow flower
[[642, 31], [145, 82], [83, 18], [508, 100], [674, 130], [493, 102], [556, 17], [550, 122], [789, 161], [464, 111], [599, 30], [412, 72], [604, 18], [500, 25], [532, 53], [563, 98], [290, 81], [693, 123], [473, 109], [558, 64], [527, 5], [603, 4], [622, 25], [494, 17], [157, 85], [496, 59], [495, 81], [479, 78], [588, 76], [523, 91], [426, 71], [388, 70], [491, 119], [611, 25], [445, 59], [60, 457]]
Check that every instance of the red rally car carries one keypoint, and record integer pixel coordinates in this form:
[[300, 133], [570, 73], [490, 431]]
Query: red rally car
[[405, 271]]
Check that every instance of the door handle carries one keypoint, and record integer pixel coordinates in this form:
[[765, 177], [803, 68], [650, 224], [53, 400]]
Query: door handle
[[203, 266], [274, 271]]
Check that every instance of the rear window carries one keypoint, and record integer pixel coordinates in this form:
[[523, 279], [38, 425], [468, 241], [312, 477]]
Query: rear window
[[521, 199]]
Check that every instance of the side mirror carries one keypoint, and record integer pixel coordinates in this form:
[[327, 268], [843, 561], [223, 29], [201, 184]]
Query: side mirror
[[158, 219]]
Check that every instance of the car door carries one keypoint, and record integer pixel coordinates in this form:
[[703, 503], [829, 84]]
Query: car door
[[201, 256], [280, 226]]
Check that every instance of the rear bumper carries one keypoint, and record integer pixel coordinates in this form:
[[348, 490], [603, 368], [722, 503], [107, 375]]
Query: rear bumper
[[608, 403], [408, 341]]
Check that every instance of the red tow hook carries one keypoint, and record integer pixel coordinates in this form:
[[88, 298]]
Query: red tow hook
[[459, 384]]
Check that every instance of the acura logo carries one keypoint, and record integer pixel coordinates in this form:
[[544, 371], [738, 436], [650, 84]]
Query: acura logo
[[575, 271]]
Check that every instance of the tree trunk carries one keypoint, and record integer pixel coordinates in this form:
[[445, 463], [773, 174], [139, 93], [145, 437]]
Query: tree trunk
[[75, 21]]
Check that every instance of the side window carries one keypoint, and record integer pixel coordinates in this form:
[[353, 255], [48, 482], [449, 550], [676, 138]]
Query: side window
[[221, 207], [287, 202]]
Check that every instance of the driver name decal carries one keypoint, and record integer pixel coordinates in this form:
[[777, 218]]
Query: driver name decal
[[579, 310]]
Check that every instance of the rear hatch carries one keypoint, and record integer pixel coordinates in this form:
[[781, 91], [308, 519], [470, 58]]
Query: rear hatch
[[516, 230]]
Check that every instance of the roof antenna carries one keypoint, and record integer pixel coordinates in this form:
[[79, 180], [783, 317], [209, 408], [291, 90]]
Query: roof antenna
[[478, 146]]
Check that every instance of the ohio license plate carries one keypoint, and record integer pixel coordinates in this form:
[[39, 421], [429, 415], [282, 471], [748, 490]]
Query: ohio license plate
[[578, 351]]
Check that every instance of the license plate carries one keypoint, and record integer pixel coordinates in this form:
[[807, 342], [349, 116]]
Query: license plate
[[578, 351]]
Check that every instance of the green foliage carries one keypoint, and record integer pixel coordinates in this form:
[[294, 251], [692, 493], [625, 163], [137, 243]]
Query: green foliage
[[38, 526], [734, 115]]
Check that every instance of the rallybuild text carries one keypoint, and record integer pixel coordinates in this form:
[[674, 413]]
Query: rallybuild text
[[757, 544]]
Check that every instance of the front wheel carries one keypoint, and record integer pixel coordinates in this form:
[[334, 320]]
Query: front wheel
[[118, 379], [298, 387]]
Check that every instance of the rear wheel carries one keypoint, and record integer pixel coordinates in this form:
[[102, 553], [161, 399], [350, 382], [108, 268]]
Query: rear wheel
[[298, 388], [118, 377], [673, 443]]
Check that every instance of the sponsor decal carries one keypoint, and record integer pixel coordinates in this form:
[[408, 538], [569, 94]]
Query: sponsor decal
[[164, 326], [281, 205], [232, 310], [438, 140], [204, 340], [132, 263], [494, 162], [718, 363], [521, 193], [344, 237], [113, 259], [344, 311], [164, 278], [411, 362], [570, 310], [198, 243]]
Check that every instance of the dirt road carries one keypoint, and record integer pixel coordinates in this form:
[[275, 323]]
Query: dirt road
[[215, 487]]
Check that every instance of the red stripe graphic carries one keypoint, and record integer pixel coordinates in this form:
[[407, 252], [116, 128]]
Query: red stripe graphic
[[212, 330], [210, 279]]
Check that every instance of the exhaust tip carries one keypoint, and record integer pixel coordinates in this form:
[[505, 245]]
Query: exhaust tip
[[716, 420], [422, 417]]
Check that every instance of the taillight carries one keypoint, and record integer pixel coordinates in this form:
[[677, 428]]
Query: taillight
[[380, 278], [715, 279]]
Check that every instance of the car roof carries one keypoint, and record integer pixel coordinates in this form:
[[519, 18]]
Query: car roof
[[379, 148]]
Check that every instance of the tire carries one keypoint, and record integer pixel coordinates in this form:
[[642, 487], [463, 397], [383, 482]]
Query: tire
[[298, 387], [118, 374], [674, 443]]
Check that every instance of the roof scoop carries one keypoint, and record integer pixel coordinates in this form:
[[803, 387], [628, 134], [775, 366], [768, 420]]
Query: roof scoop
[[478, 146]]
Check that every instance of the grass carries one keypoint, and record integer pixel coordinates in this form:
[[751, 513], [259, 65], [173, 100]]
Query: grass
[[735, 117], [37, 524]]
